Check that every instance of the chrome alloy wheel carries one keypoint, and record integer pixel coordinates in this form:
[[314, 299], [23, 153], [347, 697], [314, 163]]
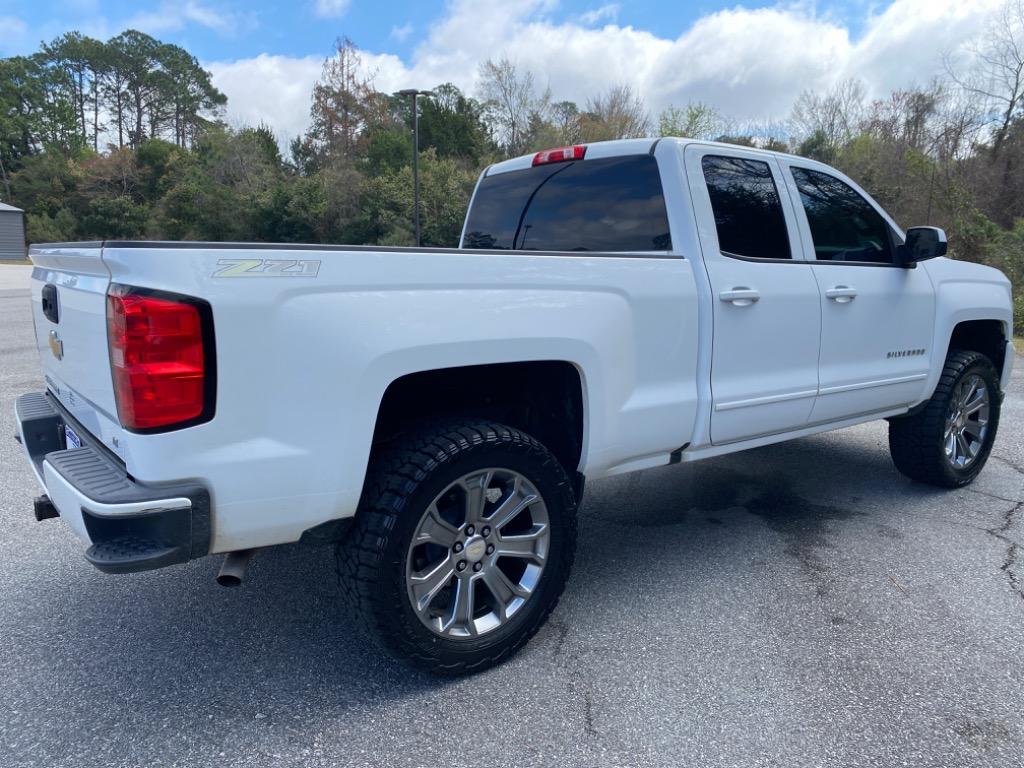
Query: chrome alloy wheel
[[478, 553], [967, 422]]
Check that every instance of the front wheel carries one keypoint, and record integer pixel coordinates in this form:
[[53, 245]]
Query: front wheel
[[462, 545], [948, 442]]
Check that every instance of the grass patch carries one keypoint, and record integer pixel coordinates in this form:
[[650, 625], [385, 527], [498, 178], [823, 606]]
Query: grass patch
[[1018, 342], [23, 262]]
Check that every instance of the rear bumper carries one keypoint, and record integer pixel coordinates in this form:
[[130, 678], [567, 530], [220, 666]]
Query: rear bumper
[[129, 526]]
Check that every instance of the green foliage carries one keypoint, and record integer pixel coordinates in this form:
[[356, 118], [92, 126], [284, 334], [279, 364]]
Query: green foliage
[[817, 147], [115, 217], [157, 160], [46, 183], [445, 187], [169, 173], [740, 141], [773, 144], [696, 120], [453, 125], [44, 228], [298, 212], [388, 149], [1005, 251]]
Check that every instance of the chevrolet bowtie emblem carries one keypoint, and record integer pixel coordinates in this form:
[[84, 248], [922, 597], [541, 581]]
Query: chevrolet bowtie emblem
[[56, 345]]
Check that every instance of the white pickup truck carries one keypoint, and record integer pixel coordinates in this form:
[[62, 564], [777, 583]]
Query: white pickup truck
[[435, 412]]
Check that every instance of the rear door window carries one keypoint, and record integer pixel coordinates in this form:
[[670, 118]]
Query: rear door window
[[748, 213], [610, 204], [844, 226]]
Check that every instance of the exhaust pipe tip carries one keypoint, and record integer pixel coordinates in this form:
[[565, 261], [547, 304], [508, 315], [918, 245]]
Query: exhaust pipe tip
[[229, 580], [232, 570]]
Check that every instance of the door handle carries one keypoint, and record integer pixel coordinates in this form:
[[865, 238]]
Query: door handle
[[740, 296], [842, 294]]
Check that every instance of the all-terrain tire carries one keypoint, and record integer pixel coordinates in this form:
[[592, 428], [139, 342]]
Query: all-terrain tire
[[401, 484], [916, 442]]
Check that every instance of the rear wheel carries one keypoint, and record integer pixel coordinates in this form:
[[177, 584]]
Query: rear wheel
[[948, 442], [462, 545]]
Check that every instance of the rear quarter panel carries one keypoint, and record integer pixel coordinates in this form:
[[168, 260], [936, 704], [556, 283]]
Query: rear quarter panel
[[303, 362]]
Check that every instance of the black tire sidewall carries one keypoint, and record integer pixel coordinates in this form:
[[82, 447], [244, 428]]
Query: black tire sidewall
[[987, 372], [497, 451]]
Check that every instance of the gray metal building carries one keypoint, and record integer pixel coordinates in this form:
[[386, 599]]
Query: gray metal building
[[12, 232]]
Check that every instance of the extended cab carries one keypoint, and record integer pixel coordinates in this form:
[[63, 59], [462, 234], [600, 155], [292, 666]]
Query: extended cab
[[611, 307]]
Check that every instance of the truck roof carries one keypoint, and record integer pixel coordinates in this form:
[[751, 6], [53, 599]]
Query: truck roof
[[618, 147]]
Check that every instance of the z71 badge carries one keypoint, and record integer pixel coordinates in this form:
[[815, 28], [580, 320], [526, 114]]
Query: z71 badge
[[267, 268]]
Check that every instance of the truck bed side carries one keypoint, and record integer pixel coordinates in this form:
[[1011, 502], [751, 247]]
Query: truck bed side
[[308, 341]]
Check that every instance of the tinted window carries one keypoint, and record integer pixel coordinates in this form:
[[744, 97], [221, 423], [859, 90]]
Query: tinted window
[[613, 204], [844, 226], [748, 214]]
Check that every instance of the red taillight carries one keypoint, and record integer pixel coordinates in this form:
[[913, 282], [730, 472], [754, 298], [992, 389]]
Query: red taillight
[[560, 155], [158, 358]]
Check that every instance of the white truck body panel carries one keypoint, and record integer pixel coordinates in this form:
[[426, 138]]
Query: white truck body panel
[[786, 317], [856, 374], [82, 279], [297, 345], [965, 292], [670, 369]]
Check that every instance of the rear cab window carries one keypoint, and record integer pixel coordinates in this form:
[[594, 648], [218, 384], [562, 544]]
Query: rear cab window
[[608, 205], [747, 208]]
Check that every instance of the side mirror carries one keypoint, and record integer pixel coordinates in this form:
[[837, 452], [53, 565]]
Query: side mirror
[[924, 243]]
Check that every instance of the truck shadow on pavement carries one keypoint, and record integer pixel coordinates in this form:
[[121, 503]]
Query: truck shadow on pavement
[[286, 636]]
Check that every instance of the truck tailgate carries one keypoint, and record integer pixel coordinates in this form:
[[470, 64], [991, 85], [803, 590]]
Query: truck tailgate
[[69, 295]]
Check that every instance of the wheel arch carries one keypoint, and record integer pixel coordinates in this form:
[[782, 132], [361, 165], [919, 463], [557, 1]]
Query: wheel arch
[[987, 336], [970, 330], [545, 398], [983, 324]]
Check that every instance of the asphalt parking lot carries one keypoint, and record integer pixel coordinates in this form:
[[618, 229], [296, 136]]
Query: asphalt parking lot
[[797, 605]]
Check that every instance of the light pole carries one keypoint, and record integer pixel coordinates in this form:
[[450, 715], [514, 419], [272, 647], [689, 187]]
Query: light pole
[[414, 93]]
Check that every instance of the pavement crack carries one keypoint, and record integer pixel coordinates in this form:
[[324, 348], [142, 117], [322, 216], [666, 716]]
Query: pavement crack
[[991, 495], [588, 714], [1008, 516], [1012, 548], [898, 586], [562, 630], [576, 684], [580, 690], [1010, 463], [1007, 568]]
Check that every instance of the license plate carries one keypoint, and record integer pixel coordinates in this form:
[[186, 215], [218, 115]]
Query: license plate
[[71, 439]]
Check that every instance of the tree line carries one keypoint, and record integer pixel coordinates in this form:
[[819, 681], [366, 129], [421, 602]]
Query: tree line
[[126, 139]]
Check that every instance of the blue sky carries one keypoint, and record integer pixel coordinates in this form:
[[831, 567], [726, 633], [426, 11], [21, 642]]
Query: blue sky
[[230, 29], [749, 59]]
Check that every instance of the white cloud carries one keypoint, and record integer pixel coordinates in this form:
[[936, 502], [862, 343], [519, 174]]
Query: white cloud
[[172, 16], [12, 25], [13, 33], [331, 9], [904, 44], [268, 89], [609, 12], [749, 63], [207, 17], [401, 33]]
